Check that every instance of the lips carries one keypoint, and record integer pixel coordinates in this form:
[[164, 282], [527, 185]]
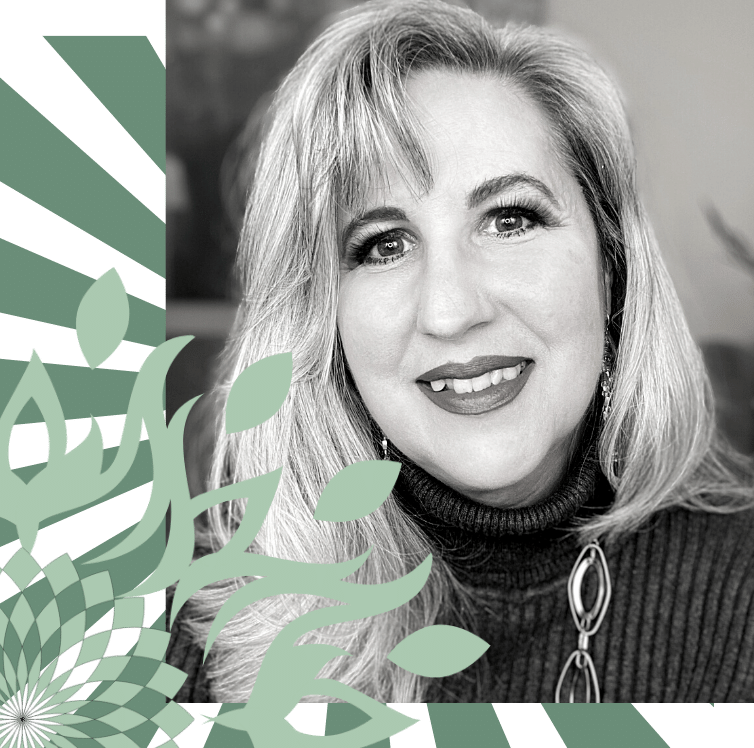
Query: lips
[[490, 397], [474, 368]]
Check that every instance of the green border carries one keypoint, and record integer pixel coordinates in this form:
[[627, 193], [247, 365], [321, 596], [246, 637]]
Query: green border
[[53, 246]]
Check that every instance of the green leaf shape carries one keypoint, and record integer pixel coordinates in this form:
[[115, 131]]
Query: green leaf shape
[[258, 392], [166, 446], [18, 500], [52, 491], [289, 670], [102, 318], [357, 490], [292, 577], [383, 721], [438, 651]]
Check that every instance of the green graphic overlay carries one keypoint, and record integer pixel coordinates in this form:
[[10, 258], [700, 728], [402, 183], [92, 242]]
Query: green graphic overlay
[[88, 466], [74, 479], [53, 649]]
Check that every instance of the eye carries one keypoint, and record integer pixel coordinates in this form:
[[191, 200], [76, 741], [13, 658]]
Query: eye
[[388, 245], [508, 222], [511, 221], [384, 248]]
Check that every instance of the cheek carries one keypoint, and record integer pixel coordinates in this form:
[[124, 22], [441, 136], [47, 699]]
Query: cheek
[[573, 294], [571, 325], [372, 334], [575, 315]]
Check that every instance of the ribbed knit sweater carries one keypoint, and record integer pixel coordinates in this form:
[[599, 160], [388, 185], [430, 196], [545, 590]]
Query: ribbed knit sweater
[[679, 626]]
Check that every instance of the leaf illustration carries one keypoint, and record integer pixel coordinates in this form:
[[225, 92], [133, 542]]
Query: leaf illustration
[[357, 490], [102, 318], [291, 577], [258, 392], [437, 651], [18, 500], [266, 727]]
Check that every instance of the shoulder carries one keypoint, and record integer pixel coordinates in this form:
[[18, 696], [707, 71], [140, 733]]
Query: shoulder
[[688, 578], [713, 550], [728, 535]]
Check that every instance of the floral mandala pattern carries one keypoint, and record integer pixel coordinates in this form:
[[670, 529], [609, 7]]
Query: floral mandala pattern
[[79, 665]]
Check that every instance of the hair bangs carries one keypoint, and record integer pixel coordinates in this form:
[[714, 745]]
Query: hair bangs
[[377, 132]]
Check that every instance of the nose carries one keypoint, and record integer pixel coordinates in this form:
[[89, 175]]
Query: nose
[[452, 294]]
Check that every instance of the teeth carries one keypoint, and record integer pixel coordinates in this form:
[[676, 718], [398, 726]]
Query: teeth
[[481, 383], [462, 385], [477, 384]]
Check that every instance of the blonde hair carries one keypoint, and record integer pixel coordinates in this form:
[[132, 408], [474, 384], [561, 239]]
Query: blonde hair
[[337, 121]]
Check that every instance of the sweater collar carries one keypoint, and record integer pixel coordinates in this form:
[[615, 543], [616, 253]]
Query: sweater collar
[[449, 507], [518, 547]]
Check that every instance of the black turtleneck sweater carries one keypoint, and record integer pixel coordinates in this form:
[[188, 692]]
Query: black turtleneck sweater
[[679, 626]]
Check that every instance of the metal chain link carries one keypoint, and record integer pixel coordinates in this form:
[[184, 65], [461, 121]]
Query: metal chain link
[[579, 664]]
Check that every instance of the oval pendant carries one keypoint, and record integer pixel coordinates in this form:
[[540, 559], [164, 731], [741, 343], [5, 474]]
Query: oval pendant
[[579, 667], [588, 621]]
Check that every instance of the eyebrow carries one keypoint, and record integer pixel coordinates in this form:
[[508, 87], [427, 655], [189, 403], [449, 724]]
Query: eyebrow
[[496, 185], [383, 213]]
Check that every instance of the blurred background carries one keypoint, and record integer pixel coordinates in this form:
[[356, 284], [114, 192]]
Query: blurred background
[[684, 67]]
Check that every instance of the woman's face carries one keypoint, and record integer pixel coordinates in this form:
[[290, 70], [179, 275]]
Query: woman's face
[[472, 315]]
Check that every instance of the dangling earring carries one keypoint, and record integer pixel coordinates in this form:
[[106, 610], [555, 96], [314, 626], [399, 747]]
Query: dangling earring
[[384, 447], [606, 376]]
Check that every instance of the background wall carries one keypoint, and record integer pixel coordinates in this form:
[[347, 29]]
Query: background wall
[[686, 69]]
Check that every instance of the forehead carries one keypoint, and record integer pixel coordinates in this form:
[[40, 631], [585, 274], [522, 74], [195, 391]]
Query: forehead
[[472, 127]]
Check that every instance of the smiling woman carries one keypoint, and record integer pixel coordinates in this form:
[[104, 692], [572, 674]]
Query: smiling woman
[[444, 230], [494, 271]]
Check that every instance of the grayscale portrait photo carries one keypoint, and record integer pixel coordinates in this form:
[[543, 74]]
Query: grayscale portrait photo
[[510, 246]]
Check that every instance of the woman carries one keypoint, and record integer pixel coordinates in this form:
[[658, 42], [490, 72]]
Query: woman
[[444, 230]]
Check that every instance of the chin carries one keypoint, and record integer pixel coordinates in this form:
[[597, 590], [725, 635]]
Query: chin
[[495, 488], [495, 476], [514, 470]]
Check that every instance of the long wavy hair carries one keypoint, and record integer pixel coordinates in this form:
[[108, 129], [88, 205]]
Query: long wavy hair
[[337, 121]]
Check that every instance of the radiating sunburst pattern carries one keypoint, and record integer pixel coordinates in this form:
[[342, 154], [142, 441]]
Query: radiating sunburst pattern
[[27, 719], [81, 192]]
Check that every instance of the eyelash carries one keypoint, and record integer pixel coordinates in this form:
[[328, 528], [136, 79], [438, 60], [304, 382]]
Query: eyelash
[[538, 215], [358, 254]]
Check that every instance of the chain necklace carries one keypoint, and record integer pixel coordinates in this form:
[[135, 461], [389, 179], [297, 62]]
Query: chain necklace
[[579, 666]]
